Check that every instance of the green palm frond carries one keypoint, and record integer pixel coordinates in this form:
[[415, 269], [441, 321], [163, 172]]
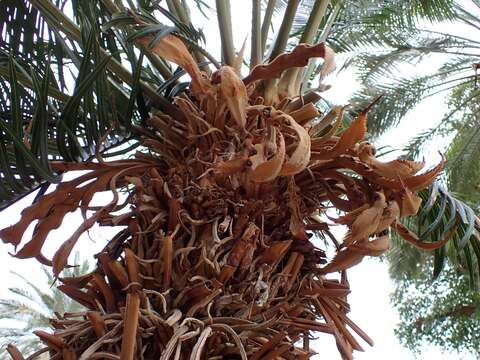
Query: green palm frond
[[42, 116], [407, 13], [17, 310], [387, 39], [442, 215], [384, 73], [464, 149], [44, 297], [390, 14], [401, 95], [367, 23], [23, 293]]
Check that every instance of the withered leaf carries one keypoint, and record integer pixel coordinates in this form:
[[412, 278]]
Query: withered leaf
[[173, 49], [418, 182], [235, 94], [413, 239], [270, 169], [129, 337], [297, 58], [367, 222], [300, 157], [14, 352]]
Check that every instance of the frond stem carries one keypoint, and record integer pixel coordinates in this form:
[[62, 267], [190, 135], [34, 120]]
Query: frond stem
[[225, 27], [267, 19], [256, 54]]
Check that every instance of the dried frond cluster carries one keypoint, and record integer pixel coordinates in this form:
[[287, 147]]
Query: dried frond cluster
[[214, 259]]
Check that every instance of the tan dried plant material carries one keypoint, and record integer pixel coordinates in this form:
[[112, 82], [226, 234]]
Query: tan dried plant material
[[173, 49], [354, 254], [305, 114], [129, 337], [235, 94], [214, 255], [367, 222], [413, 239], [14, 352], [391, 169], [298, 160], [265, 170], [297, 58], [419, 182]]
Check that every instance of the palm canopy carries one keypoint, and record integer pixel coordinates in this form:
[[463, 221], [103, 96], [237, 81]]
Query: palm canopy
[[389, 38], [47, 127]]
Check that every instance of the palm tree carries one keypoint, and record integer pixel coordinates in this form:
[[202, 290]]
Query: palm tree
[[429, 310], [33, 307], [218, 182]]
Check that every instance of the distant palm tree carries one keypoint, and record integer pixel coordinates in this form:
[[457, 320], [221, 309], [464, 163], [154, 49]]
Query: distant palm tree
[[32, 308]]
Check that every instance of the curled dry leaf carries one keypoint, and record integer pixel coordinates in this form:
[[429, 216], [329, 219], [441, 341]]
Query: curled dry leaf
[[297, 58], [390, 214], [413, 238], [347, 140], [391, 169], [235, 94], [268, 170], [299, 159], [418, 182], [173, 49], [354, 254], [366, 223]]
